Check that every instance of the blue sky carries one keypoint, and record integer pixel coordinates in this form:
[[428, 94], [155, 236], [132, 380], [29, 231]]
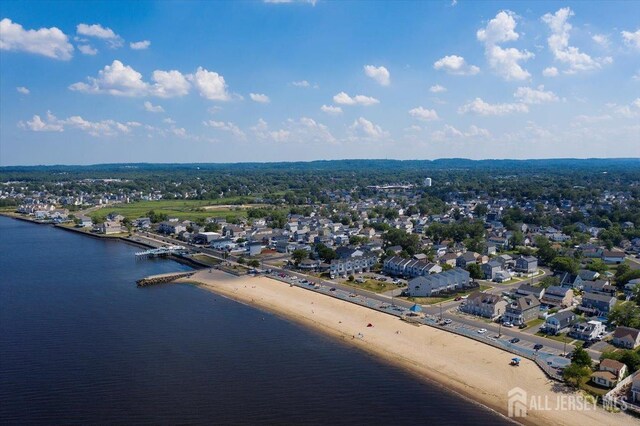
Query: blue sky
[[97, 82]]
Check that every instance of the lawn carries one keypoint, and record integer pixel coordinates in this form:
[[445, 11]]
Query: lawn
[[535, 322], [182, 209], [373, 285], [435, 300], [562, 337], [208, 260]]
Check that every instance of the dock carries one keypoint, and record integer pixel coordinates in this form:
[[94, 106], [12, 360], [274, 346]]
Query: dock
[[161, 251], [163, 278]]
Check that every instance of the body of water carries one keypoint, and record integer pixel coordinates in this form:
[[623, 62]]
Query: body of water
[[80, 343]]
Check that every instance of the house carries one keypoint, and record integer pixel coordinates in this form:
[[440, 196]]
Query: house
[[466, 259], [529, 290], [430, 285], [558, 296], [609, 373], [559, 322], [169, 227], [626, 337], [587, 275], [587, 330], [597, 304], [502, 276], [85, 222], [569, 280], [612, 257], [352, 265], [309, 264], [490, 269], [506, 261], [635, 387], [522, 310], [110, 227], [448, 259], [484, 305], [599, 287], [526, 264]]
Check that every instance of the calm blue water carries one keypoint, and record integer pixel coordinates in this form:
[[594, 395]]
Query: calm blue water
[[80, 343]]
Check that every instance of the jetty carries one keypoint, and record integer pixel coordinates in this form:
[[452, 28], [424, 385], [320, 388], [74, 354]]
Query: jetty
[[163, 278]]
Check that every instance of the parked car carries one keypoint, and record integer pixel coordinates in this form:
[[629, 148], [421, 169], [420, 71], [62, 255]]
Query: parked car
[[332, 289], [521, 326], [457, 299], [447, 321], [507, 324], [482, 331], [537, 347], [514, 340]]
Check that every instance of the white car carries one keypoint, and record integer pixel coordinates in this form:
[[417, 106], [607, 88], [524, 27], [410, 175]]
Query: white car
[[507, 324], [482, 331]]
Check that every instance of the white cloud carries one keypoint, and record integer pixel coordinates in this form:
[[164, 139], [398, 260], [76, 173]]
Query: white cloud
[[343, 99], [631, 39], [505, 62], [210, 84], [529, 95], [456, 65], [636, 76], [169, 120], [424, 114], [379, 74], [304, 83], [98, 31], [304, 130], [480, 107], [437, 89], [86, 49], [330, 109], [449, 132], [558, 42], [152, 108], [122, 80], [630, 111], [260, 98], [23, 90], [169, 84], [140, 45], [550, 72], [94, 128], [225, 126], [49, 42], [367, 129], [38, 125], [311, 2], [601, 39]]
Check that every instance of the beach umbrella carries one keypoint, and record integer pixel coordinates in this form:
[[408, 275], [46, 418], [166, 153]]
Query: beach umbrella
[[416, 308]]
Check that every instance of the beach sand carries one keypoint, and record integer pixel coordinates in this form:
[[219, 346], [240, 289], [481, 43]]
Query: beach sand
[[475, 370]]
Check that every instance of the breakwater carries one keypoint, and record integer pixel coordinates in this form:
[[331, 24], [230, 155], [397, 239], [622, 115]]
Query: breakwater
[[163, 278]]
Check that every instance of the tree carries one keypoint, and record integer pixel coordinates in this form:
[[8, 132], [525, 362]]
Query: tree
[[254, 263], [241, 260], [517, 239], [565, 264], [480, 210], [581, 358], [598, 265], [626, 314], [475, 271], [325, 253], [299, 255], [622, 269], [545, 253], [351, 278], [576, 375], [547, 282]]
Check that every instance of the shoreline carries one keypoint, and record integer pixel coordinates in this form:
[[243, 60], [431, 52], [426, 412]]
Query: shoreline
[[458, 364]]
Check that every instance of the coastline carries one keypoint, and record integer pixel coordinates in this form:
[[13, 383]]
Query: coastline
[[471, 369]]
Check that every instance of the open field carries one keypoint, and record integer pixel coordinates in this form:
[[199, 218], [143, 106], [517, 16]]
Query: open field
[[372, 285], [182, 209]]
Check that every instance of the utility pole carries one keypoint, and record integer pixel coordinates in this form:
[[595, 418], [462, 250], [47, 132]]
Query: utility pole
[[440, 311], [499, 324]]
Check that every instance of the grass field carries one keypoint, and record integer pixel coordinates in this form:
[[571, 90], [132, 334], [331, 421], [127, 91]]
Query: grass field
[[182, 209], [373, 285]]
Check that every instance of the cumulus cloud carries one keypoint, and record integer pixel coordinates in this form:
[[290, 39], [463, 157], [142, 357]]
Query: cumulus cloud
[[260, 98], [23, 90], [303, 130], [505, 62], [140, 45], [601, 39], [311, 2], [210, 84], [122, 80], [304, 83], [379, 74], [227, 127], [49, 42], [94, 128], [152, 108], [86, 49], [456, 65], [529, 95], [98, 31], [424, 114], [365, 128], [344, 99], [630, 111], [480, 107], [558, 43], [437, 89], [550, 72], [331, 110], [449, 132], [631, 39]]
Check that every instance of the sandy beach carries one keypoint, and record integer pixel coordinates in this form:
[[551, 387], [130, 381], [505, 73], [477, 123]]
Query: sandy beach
[[477, 371]]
